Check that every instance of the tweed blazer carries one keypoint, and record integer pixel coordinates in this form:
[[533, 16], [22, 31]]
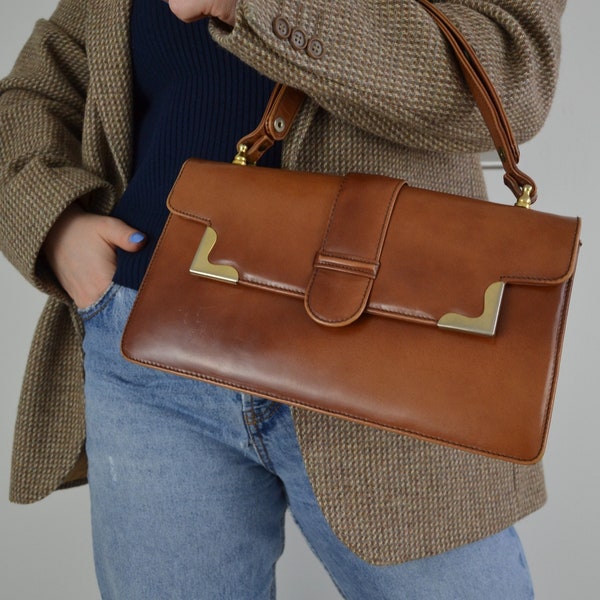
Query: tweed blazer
[[385, 97]]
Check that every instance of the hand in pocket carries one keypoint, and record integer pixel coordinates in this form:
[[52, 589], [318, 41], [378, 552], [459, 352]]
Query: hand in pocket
[[81, 250]]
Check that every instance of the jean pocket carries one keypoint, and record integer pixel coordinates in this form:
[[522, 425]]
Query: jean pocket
[[99, 305]]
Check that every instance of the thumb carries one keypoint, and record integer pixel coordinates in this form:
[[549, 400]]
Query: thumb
[[120, 235]]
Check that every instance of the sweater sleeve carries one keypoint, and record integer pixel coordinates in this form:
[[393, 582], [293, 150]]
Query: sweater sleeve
[[41, 115], [385, 67]]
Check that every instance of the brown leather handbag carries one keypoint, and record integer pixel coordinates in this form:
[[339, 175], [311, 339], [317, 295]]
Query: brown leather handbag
[[331, 293]]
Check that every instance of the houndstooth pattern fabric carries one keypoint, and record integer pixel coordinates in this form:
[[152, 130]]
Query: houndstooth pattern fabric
[[386, 98]]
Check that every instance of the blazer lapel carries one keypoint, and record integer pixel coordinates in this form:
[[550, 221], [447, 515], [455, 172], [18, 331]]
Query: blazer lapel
[[109, 59]]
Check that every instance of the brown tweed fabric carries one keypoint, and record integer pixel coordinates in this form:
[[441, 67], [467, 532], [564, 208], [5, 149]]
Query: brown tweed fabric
[[386, 99], [392, 498]]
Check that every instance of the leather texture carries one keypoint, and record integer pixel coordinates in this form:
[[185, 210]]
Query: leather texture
[[341, 283]]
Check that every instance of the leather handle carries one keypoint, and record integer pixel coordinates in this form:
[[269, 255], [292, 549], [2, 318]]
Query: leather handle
[[274, 126], [286, 101], [488, 102]]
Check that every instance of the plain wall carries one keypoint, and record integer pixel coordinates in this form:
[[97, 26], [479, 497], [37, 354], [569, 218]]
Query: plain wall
[[45, 548]]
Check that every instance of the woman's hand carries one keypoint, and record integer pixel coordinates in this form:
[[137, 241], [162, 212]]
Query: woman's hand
[[81, 250], [192, 10]]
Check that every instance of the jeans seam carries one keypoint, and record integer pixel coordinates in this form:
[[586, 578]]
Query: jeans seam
[[97, 307], [258, 443], [257, 417]]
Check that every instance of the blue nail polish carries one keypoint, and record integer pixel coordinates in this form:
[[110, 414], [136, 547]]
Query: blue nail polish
[[137, 237]]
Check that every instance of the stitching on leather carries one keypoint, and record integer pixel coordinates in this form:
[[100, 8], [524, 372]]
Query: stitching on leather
[[557, 351], [332, 212], [350, 257], [383, 228], [376, 310], [333, 266], [276, 286], [368, 287], [388, 311], [574, 242], [191, 215], [308, 405]]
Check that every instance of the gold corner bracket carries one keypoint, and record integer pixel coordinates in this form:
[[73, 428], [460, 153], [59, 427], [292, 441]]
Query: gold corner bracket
[[484, 324], [202, 266]]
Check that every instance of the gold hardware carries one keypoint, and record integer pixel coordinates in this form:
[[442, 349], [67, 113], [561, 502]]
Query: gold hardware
[[240, 157], [204, 268], [484, 324], [524, 200]]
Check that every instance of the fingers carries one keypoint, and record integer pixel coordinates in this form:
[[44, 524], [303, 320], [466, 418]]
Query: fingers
[[193, 10], [120, 235], [80, 249], [189, 10]]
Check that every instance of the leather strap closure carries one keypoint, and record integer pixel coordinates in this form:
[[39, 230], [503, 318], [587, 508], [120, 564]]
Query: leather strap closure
[[275, 124], [346, 266]]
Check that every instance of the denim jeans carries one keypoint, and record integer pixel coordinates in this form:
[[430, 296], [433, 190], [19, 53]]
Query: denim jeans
[[190, 483]]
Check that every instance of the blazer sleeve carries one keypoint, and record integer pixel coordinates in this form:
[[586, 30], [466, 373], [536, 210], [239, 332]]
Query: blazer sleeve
[[385, 67], [41, 115]]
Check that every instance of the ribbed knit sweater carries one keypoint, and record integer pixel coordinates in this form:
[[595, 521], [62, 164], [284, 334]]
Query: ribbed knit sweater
[[191, 98]]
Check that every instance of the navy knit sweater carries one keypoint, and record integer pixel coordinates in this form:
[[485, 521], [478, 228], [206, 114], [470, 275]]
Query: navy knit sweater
[[191, 98]]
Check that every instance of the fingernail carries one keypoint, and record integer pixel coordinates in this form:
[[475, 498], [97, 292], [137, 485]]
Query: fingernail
[[137, 238]]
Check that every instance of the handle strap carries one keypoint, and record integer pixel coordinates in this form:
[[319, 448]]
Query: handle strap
[[275, 124], [490, 106], [285, 103]]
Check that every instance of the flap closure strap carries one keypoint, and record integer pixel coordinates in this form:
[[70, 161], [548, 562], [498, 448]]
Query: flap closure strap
[[346, 266]]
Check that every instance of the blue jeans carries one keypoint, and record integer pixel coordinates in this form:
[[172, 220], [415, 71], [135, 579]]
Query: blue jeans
[[190, 483]]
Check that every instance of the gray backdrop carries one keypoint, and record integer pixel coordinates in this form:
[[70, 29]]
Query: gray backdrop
[[45, 549]]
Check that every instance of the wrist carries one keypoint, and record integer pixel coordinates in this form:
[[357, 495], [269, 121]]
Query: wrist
[[57, 231]]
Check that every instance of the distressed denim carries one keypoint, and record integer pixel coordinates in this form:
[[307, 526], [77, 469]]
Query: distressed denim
[[190, 483]]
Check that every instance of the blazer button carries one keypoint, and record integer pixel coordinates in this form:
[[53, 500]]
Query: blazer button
[[298, 39], [281, 28], [315, 48]]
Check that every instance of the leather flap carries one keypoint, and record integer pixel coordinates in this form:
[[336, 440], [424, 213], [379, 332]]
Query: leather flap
[[347, 264], [388, 248]]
